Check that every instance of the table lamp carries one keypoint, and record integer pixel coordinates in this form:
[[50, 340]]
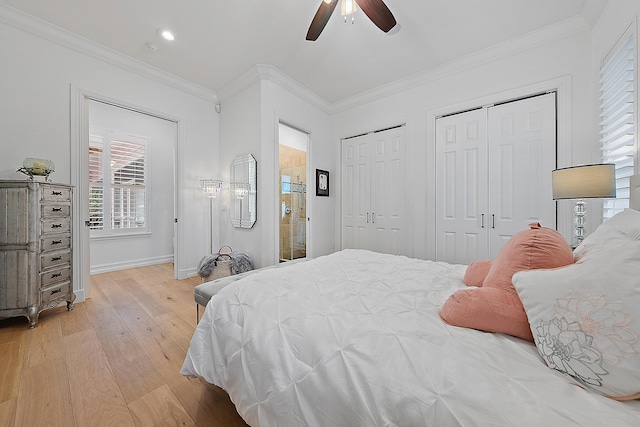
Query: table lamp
[[583, 182]]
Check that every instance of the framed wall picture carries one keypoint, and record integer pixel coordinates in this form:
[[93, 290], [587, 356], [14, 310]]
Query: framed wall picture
[[322, 183]]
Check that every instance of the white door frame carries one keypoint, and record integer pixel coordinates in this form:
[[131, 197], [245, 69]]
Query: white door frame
[[79, 137], [278, 184]]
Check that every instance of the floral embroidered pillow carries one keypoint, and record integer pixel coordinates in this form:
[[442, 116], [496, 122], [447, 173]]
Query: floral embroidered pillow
[[585, 319]]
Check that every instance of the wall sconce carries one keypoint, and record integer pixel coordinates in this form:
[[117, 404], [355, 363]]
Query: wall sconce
[[583, 182]]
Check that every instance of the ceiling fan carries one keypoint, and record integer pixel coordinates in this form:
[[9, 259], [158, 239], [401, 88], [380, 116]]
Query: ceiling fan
[[376, 10]]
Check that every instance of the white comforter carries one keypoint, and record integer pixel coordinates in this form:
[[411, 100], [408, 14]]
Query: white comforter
[[355, 339]]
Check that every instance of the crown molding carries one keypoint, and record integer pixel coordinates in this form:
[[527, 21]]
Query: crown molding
[[493, 53], [258, 72], [270, 73], [37, 27]]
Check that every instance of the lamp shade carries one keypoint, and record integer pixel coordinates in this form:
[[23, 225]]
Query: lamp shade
[[582, 182]]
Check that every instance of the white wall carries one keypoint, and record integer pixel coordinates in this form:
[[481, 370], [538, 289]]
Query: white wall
[[115, 252], [249, 124], [36, 80], [564, 62], [239, 135]]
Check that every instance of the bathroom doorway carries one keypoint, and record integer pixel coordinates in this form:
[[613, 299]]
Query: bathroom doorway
[[293, 148]]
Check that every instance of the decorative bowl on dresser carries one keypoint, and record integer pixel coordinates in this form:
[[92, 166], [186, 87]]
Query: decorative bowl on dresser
[[35, 248]]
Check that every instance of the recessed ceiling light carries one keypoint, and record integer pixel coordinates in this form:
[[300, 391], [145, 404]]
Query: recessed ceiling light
[[166, 34]]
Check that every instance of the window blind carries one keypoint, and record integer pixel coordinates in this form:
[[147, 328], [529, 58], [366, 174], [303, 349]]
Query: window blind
[[617, 127], [127, 164], [117, 182], [96, 182]]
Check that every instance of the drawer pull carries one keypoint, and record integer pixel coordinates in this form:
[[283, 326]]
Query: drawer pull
[[56, 193], [56, 225], [57, 291], [54, 275], [56, 209], [56, 242], [56, 258]]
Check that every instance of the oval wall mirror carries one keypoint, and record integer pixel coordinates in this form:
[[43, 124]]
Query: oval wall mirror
[[243, 191]]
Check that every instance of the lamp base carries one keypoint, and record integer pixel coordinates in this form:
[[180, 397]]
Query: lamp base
[[579, 221]]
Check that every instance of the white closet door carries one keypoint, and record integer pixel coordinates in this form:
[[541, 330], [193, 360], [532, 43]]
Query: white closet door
[[389, 192], [522, 141], [461, 190], [355, 192]]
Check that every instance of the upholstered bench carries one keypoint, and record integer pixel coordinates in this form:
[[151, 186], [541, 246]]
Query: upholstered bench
[[203, 292]]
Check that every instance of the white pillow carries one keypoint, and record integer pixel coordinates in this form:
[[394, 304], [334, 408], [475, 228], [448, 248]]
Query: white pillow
[[585, 318], [626, 222]]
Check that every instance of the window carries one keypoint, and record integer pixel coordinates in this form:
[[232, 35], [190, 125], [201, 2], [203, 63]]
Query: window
[[617, 117], [117, 183]]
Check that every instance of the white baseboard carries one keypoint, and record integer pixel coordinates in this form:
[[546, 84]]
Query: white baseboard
[[105, 268], [80, 297], [186, 273]]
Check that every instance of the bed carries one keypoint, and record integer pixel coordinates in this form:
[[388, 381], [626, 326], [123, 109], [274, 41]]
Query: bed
[[355, 339]]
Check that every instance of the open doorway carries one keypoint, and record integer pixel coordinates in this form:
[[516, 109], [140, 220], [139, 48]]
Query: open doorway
[[293, 148], [131, 183]]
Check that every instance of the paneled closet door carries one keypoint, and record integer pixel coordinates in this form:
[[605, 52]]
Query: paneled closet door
[[522, 141], [389, 192], [493, 175], [375, 192], [356, 198], [461, 187]]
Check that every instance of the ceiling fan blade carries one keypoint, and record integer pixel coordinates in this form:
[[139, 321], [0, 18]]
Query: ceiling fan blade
[[379, 13], [320, 19]]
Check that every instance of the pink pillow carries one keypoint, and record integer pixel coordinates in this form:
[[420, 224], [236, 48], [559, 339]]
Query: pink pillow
[[476, 272], [487, 309], [495, 307], [532, 249]]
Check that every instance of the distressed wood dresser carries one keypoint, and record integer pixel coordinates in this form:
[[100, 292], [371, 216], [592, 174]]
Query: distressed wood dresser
[[35, 248]]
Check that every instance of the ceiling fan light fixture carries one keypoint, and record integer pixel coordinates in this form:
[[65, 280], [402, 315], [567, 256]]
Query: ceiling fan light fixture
[[348, 7]]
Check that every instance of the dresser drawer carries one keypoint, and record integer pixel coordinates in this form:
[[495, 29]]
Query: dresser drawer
[[53, 259], [56, 194], [55, 225], [53, 293], [55, 211], [52, 277], [55, 243]]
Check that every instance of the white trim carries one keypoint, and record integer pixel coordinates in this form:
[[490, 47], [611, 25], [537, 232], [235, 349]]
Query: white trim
[[37, 27], [143, 262], [563, 29], [79, 119], [309, 179], [493, 53], [268, 72], [123, 235]]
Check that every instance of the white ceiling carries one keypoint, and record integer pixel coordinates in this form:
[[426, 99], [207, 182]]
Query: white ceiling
[[217, 40]]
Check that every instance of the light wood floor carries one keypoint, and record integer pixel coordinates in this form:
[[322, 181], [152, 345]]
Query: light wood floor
[[112, 361]]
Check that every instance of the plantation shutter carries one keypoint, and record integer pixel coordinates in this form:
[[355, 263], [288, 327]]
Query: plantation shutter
[[96, 182], [617, 88], [127, 164]]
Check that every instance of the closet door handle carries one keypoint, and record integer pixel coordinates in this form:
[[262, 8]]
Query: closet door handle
[[367, 217], [373, 217], [482, 221], [493, 221]]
